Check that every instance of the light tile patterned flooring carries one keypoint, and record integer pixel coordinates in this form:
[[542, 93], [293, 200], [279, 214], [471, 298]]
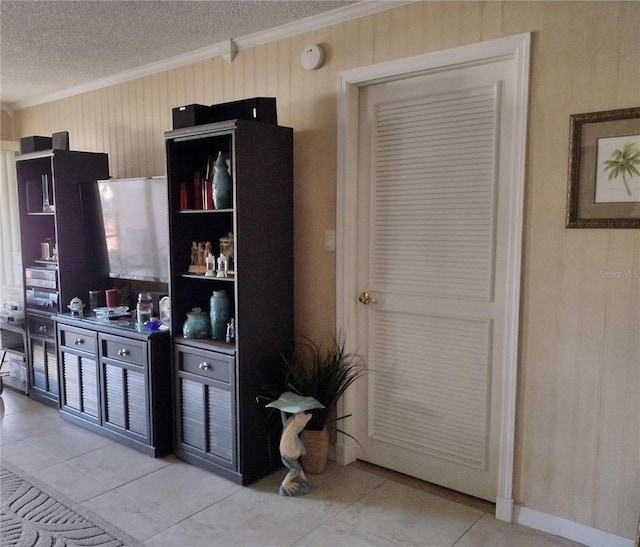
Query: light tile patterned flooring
[[167, 503]]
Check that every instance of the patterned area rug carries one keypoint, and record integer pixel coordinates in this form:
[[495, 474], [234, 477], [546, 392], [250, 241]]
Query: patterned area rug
[[33, 515]]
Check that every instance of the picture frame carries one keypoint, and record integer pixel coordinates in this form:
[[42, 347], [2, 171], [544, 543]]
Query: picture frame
[[604, 170]]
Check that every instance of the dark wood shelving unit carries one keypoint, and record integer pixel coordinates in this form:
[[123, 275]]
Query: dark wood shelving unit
[[63, 181], [219, 424]]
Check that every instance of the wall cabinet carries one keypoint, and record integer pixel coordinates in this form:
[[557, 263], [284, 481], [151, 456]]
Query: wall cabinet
[[219, 424], [116, 380], [62, 253]]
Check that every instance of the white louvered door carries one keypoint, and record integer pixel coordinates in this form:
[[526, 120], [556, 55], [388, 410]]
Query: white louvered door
[[433, 191]]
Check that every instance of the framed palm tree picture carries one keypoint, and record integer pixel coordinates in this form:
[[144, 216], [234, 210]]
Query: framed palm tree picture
[[604, 170]]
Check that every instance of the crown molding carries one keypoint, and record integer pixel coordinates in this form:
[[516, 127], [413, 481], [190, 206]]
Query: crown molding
[[308, 24]]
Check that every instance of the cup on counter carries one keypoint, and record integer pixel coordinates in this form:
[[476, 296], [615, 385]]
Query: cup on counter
[[94, 299], [45, 251], [111, 296]]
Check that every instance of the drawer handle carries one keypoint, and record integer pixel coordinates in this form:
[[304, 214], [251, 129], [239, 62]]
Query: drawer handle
[[42, 329], [78, 341], [123, 352], [204, 366]]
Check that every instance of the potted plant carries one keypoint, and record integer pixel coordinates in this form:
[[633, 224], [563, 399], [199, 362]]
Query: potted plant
[[324, 372]]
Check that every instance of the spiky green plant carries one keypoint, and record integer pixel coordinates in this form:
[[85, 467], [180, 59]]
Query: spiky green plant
[[624, 161], [323, 371]]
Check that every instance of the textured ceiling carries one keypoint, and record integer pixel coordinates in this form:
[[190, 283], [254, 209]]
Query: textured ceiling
[[47, 46]]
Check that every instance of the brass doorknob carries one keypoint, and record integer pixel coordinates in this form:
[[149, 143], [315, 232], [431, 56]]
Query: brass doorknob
[[366, 298]]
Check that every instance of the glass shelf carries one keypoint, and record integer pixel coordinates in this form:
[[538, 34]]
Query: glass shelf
[[207, 277], [207, 211]]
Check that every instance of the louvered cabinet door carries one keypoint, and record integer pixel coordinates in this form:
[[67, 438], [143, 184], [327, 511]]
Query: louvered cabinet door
[[205, 406], [125, 387], [79, 393], [43, 358], [44, 365], [79, 385]]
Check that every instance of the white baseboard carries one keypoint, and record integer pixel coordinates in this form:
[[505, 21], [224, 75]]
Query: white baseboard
[[568, 529], [504, 509]]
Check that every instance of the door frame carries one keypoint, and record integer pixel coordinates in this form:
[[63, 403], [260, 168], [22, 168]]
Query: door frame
[[516, 48]]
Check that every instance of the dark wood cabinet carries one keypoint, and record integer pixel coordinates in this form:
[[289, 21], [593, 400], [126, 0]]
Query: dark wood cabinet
[[219, 424], [42, 359], [79, 372], [206, 423], [125, 389], [116, 380], [63, 253]]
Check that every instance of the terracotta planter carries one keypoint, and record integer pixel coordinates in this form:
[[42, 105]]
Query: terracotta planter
[[316, 444]]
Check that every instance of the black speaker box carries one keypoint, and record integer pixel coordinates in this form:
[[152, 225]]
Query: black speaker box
[[259, 109], [34, 144], [60, 140], [190, 115]]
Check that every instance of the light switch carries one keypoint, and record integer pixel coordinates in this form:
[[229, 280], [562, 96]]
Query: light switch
[[330, 241]]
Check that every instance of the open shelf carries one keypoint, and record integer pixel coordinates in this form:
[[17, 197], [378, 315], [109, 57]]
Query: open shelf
[[205, 211], [17, 350], [14, 383], [208, 277]]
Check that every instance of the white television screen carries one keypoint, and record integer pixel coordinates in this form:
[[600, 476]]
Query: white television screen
[[136, 227]]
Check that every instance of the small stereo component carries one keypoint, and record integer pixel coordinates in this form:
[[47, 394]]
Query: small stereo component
[[42, 299], [41, 277], [12, 312]]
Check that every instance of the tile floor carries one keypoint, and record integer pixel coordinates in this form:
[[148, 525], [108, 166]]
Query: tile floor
[[167, 503]]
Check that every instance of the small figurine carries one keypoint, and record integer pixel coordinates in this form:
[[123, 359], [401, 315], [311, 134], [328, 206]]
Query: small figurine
[[200, 254], [194, 253], [231, 332], [222, 266], [76, 306], [295, 482], [227, 248], [198, 258], [211, 265]]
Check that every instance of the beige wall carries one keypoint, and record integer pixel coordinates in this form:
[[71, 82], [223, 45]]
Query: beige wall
[[578, 439], [6, 126]]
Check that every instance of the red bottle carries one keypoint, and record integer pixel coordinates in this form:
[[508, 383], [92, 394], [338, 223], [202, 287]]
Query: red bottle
[[197, 191], [207, 195], [184, 197]]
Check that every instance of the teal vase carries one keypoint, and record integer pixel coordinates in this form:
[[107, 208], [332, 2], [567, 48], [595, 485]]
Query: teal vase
[[221, 184], [219, 314], [196, 325]]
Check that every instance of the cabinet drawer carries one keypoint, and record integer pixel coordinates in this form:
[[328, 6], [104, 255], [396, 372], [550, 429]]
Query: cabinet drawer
[[216, 366], [82, 339], [124, 349], [41, 326]]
